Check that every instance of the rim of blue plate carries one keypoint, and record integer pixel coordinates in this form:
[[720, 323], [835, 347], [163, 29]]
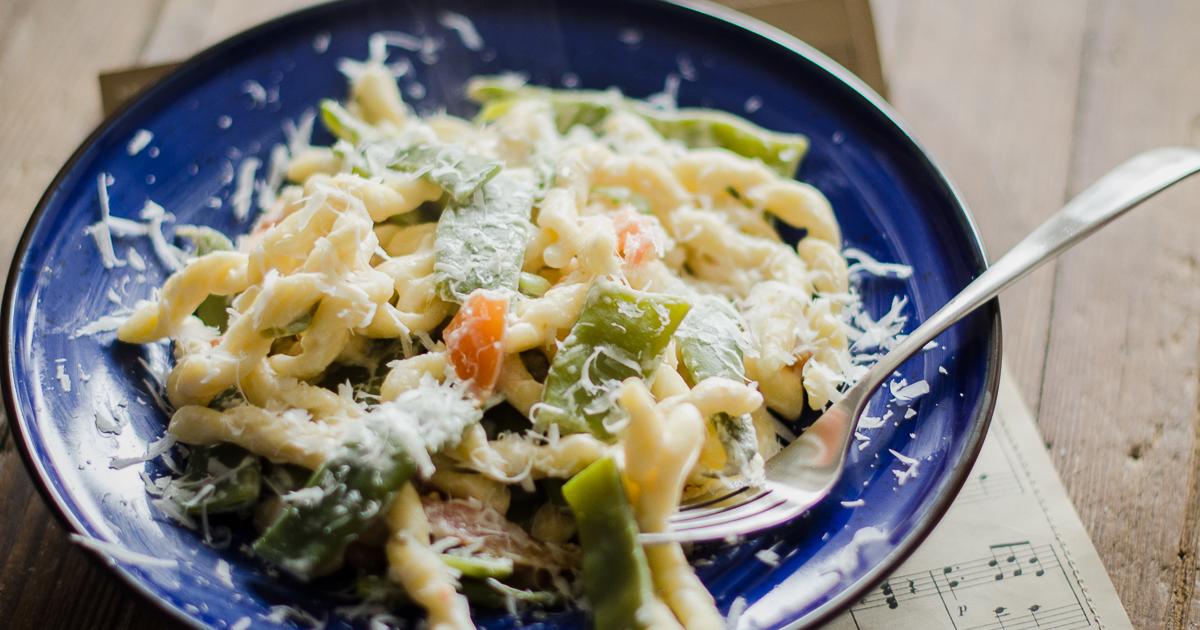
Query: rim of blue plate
[[837, 604]]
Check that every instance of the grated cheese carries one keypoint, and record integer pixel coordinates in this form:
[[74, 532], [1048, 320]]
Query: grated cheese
[[863, 262], [108, 422], [170, 256], [153, 450], [687, 69], [378, 43], [882, 333], [281, 613], [113, 553], [668, 98], [102, 324], [139, 141], [321, 41], [135, 260], [752, 105], [904, 391], [848, 559], [910, 471], [870, 422], [244, 188], [276, 170], [64, 380], [299, 134], [630, 36], [225, 573], [462, 25], [768, 557], [854, 503], [100, 231], [256, 92], [736, 610]]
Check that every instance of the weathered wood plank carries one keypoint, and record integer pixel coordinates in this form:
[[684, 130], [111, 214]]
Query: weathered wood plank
[[50, 54], [1120, 397], [989, 88], [47, 582], [186, 26], [49, 58]]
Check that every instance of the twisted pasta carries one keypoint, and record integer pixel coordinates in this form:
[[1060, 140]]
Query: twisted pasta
[[448, 307]]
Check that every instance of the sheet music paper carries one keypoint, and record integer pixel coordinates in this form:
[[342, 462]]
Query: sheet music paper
[[1011, 554]]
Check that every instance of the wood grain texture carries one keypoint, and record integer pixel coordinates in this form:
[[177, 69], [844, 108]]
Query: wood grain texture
[[50, 54], [1120, 395], [990, 89]]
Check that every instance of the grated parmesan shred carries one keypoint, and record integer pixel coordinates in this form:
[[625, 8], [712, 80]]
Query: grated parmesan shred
[[153, 450], [102, 324], [462, 25], [244, 187], [736, 610], [256, 92], [280, 613], [298, 134], [321, 41], [224, 573], [904, 391], [863, 262], [170, 256], [139, 141], [668, 98], [768, 557], [113, 553], [910, 470], [276, 170], [100, 231], [64, 379], [135, 260]]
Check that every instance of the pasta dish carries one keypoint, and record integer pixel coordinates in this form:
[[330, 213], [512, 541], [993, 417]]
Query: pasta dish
[[468, 361]]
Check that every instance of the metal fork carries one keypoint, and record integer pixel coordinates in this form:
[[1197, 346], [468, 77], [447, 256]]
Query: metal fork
[[804, 472]]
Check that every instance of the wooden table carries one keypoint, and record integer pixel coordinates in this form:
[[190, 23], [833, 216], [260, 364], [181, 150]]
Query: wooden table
[[1025, 102]]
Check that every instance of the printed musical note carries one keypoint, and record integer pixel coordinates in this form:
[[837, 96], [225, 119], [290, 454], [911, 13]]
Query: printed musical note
[[1066, 617], [1003, 564], [1005, 561], [1001, 612]]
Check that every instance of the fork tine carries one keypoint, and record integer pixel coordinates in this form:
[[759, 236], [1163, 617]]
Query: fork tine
[[778, 514], [764, 502], [689, 515], [711, 500]]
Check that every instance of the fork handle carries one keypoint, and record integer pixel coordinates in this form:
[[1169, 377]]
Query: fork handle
[[1118, 191]]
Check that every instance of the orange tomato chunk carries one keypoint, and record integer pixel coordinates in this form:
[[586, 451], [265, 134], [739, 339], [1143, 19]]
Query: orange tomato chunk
[[475, 340], [639, 237]]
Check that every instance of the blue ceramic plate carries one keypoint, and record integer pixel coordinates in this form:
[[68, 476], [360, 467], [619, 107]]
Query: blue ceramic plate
[[891, 200]]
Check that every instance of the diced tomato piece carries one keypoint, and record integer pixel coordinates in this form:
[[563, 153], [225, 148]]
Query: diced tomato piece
[[639, 236], [475, 340]]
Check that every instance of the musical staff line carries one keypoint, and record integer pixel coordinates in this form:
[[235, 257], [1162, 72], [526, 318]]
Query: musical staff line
[[984, 487], [1067, 617], [1016, 560]]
